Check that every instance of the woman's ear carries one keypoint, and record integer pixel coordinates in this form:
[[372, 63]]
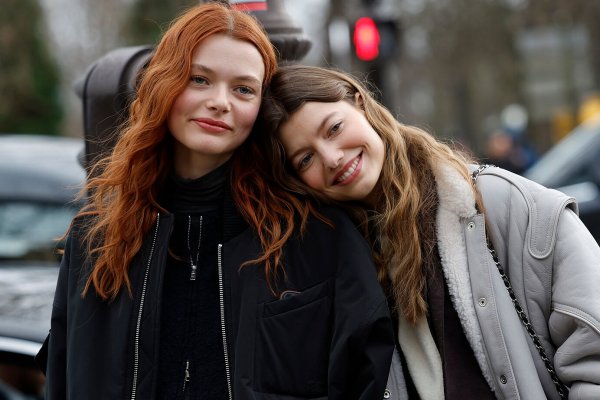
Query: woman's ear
[[358, 101]]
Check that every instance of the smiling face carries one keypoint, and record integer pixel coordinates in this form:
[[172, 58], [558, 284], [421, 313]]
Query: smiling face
[[334, 149], [215, 112]]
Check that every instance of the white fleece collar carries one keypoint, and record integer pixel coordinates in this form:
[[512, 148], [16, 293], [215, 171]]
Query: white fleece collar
[[456, 202]]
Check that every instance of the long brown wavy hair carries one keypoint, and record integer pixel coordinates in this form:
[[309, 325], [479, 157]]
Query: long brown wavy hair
[[404, 216], [124, 187]]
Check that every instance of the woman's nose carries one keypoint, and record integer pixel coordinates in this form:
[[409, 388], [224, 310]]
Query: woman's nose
[[333, 158], [219, 100]]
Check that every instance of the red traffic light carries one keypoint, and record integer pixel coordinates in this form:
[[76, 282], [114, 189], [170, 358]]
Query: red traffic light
[[366, 39], [249, 5]]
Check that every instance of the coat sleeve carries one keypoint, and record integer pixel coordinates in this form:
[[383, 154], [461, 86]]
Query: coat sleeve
[[574, 322], [363, 337], [54, 351]]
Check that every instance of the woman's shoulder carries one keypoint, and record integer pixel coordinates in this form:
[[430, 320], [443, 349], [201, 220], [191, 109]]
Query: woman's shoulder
[[80, 225], [332, 245], [536, 207], [333, 229], [77, 237], [332, 219], [499, 185], [334, 212]]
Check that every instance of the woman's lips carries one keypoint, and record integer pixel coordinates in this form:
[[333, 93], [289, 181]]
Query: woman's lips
[[349, 172], [212, 125]]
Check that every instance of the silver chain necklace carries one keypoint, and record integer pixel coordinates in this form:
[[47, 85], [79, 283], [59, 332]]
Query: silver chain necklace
[[193, 263]]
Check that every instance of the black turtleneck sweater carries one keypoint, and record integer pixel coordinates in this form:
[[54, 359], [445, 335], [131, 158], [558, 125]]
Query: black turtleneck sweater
[[192, 360]]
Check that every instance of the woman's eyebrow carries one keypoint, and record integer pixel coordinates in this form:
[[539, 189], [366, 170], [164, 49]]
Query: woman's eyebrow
[[201, 68], [246, 78], [249, 79], [324, 121]]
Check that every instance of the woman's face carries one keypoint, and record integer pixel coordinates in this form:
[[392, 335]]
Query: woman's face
[[215, 112], [334, 149]]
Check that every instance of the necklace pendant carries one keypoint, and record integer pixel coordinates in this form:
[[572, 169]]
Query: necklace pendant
[[193, 272]]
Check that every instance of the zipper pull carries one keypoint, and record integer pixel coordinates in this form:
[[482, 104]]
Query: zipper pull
[[194, 267], [186, 377]]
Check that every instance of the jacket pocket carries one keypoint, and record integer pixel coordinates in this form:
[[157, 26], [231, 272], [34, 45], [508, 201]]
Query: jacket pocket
[[294, 300], [292, 344]]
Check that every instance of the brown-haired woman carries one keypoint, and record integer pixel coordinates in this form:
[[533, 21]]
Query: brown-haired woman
[[460, 333], [165, 291]]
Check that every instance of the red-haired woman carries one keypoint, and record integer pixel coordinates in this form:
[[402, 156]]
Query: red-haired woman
[[166, 292]]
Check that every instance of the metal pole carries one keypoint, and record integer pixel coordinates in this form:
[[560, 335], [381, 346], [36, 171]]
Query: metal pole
[[286, 36]]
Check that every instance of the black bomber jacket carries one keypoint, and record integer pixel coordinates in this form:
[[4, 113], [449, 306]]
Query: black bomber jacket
[[329, 337]]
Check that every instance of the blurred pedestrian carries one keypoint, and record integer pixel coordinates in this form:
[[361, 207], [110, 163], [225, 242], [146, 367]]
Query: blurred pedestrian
[[502, 151]]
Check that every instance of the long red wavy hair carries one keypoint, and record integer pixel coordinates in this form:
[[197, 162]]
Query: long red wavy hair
[[124, 187], [273, 211]]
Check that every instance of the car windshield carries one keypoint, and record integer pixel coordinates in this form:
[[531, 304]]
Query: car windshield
[[29, 231]]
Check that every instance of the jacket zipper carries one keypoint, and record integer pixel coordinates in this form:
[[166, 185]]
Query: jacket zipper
[[186, 375], [223, 329], [194, 265], [136, 356]]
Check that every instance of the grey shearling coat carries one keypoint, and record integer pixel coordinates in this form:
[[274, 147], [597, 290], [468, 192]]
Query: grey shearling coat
[[553, 264]]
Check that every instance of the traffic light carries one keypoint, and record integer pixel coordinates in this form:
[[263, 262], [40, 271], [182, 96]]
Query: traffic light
[[366, 39], [376, 38]]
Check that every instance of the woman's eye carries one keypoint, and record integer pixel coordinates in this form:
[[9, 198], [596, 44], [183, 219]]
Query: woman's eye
[[245, 90], [304, 161], [198, 80], [335, 129]]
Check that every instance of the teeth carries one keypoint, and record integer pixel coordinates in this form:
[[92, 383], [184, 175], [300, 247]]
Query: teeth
[[350, 171]]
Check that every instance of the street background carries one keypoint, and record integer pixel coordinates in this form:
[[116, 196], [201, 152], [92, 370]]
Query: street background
[[485, 74], [506, 80]]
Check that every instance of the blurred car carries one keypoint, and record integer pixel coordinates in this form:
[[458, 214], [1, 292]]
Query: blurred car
[[26, 295], [40, 177], [573, 167]]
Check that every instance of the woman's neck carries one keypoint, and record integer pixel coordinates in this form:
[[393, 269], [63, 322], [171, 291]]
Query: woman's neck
[[373, 199], [189, 164], [196, 195]]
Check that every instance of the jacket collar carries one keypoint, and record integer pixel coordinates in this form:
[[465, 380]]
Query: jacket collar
[[233, 222], [457, 203], [454, 192]]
